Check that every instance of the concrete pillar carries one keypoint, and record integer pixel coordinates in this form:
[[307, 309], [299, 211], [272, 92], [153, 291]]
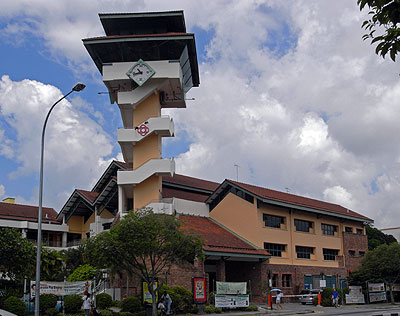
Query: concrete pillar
[[221, 275], [64, 239], [120, 200], [24, 231]]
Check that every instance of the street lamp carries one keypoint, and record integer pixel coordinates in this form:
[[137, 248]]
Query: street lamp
[[77, 87]]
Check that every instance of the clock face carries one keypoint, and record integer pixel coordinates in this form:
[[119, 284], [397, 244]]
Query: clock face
[[140, 72]]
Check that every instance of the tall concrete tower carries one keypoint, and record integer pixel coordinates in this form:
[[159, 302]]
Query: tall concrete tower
[[148, 62]]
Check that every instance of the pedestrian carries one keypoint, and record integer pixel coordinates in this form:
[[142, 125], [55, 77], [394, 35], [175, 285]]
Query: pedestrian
[[86, 303], [278, 300], [335, 298], [166, 299]]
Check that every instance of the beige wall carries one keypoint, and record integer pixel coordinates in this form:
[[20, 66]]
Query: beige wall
[[148, 148], [75, 224], [146, 109], [147, 191], [246, 220]]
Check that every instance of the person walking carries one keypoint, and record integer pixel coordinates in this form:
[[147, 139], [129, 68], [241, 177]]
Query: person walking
[[278, 300], [167, 301], [335, 297], [86, 303]]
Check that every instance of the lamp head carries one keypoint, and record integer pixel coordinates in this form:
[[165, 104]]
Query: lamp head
[[78, 87]]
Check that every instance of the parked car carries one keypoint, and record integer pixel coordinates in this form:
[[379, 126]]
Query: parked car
[[307, 296]]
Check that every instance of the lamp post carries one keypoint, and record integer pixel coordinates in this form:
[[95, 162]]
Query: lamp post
[[77, 87]]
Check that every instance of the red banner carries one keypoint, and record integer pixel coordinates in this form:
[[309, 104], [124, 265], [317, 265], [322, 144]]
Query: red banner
[[199, 290]]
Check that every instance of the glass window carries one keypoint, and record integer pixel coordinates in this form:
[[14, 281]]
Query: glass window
[[329, 230], [360, 231], [304, 252], [274, 249], [361, 253], [302, 226], [273, 221], [352, 253], [330, 254], [286, 280], [348, 229], [274, 280]]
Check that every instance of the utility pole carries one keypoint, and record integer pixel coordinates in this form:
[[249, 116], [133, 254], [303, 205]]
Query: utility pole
[[237, 171]]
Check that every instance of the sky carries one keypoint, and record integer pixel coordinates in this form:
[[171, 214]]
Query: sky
[[288, 91]]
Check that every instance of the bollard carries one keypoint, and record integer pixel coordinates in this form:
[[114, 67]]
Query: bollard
[[319, 299], [269, 301]]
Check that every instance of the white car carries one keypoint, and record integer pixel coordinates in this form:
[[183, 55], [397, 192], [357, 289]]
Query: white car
[[307, 296]]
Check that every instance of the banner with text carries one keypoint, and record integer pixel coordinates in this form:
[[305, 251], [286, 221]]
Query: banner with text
[[61, 288], [231, 288], [231, 301]]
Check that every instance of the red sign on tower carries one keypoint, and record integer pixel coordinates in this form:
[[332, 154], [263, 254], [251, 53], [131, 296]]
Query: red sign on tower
[[143, 130]]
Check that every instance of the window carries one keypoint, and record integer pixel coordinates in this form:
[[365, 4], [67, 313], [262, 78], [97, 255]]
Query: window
[[275, 249], [329, 230], [360, 231], [106, 226], [286, 280], [302, 226], [273, 221], [361, 253], [348, 229], [274, 280], [330, 254], [304, 252], [352, 253]]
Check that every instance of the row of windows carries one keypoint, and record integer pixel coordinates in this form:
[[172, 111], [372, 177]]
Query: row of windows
[[286, 280], [352, 253], [302, 252], [305, 226]]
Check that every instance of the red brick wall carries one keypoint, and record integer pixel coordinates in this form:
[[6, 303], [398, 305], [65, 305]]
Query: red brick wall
[[356, 243]]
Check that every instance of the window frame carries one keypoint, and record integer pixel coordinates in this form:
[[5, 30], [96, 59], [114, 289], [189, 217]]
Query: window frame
[[286, 280], [275, 251], [329, 229], [359, 231], [274, 220], [352, 253], [298, 223], [304, 254], [330, 256], [348, 229]]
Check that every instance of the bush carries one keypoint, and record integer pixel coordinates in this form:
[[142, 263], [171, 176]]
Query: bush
[[51, 312], [82, 273], [47, 301], [327, 297], [116, 303], [139, 313], [182, 299], [103, 301], [251, 308], [131, 304], [72, 303], [210, 309], [14, 305], [107, 312]]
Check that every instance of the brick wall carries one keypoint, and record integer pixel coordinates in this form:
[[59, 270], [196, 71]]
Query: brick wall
[[356, 243]]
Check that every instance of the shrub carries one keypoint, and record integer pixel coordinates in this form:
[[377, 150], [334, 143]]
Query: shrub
[[51, 312], [107, 312], [116, 303], [103, 301], [47, 301], [210, 309], [251, 308], [72, 303], [139, 313], [82, 273], [131, 304], [182, 299], [14, 305]]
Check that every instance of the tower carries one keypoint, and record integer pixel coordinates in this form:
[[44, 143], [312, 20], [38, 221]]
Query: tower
[[148, 62]]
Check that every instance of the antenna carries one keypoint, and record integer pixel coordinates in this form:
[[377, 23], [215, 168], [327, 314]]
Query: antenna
[[237, 171], [287, 190]]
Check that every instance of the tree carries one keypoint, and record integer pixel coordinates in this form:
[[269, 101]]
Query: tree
[[376, 237], [379, 264], [52, 265], [73, 258], [145, 244], [84, 272], [385, 17], [17, 255]]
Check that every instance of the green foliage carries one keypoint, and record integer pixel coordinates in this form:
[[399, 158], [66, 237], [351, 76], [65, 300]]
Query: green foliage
[[51, 267], [74, 257], [82, 273], [326, 299], [377, 238], [14, 305], [145, 244], [211, 309], [106, 312], [182, 299], [17, 255], [385, 16], [47, 301], [131, 304], [51, 312], [72, 303], [103, 301], [251, 308]]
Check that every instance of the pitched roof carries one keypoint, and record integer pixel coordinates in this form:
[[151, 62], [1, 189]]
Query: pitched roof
[[168, 192], [217, 238], [187, 181], [297, 200], [88, 195], [29, 213]]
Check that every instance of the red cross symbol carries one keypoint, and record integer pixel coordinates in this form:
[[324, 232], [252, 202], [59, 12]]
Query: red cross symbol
[[143, 130]]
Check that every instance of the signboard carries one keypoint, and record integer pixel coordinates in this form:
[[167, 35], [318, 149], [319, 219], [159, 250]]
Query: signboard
[[376, 287], [377, 297], [61, 288], [322, 283], [231, 288], [199, 290], [231, 301], [147, 298], [355, 295]]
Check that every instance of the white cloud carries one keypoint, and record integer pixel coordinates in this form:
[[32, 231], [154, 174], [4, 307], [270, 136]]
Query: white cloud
[[2, 191], [338, 195], [75, 145]]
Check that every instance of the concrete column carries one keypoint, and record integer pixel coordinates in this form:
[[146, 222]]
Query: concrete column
[[24, 231], [64, 239], [96, 220], [120, 199], [221, 275]]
